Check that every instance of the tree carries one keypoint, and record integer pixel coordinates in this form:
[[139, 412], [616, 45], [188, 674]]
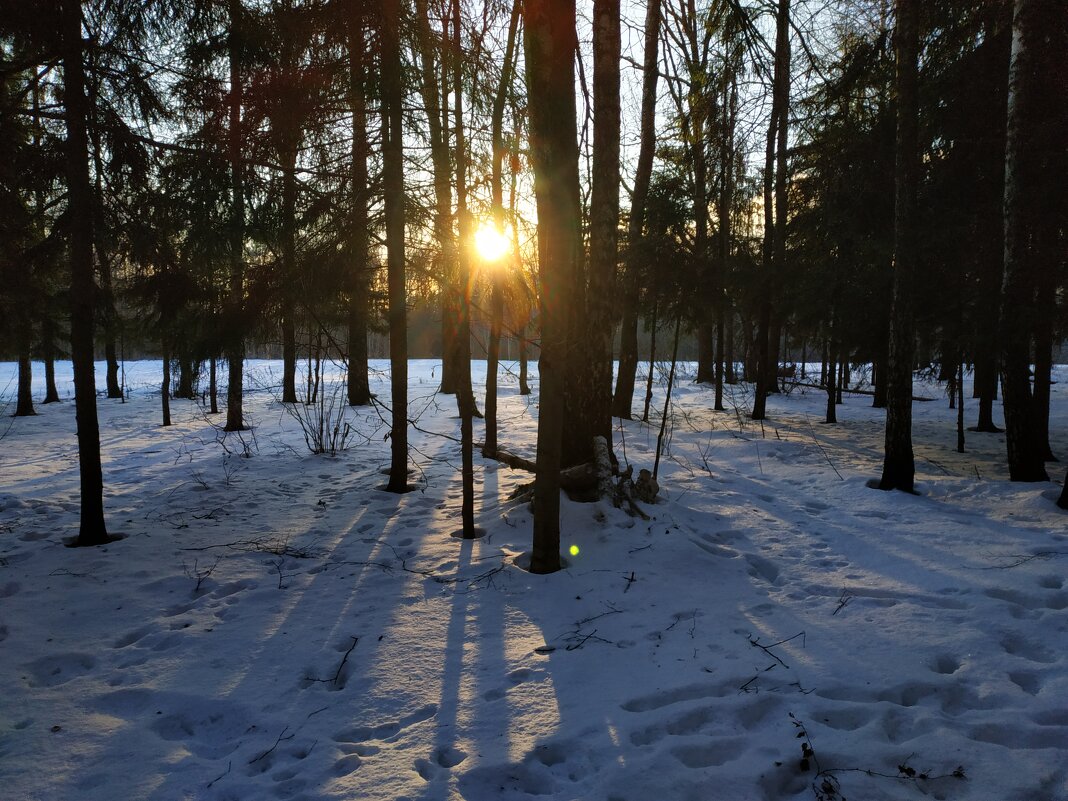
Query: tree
[[899, 466], [1035, 165], [359, 390], [92, 529], [775, 208], [500, 100], [393, 189], [628, 351], [588, 397], [235, 420], [549, 46], [17, 228]]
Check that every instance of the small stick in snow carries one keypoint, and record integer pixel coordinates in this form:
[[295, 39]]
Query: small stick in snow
[[630, 580], [229, 765], [337, 673], [281, 737], [767, 648], [843, 601]]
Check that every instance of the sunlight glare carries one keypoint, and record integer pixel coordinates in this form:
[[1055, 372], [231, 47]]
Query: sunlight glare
[[490, 242]]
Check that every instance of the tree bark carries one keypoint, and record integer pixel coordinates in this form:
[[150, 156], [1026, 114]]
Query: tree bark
[[290, 279], [92, 530], [24, 400], [524, 383], [726, 201], [213, 386], [165, 387], [628, 346], [433, 92], [464, 395], [497, 191], [550, 43], [107, 313], [235, 420], [393, 189], [1034, 170], [48, 354], [359, 389], [899, 468], [589, 392], [773, 247]]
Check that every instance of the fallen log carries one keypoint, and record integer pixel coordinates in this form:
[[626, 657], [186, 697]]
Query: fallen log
[[589, 481]]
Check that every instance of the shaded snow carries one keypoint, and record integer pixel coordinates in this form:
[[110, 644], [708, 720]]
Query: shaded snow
[[342, 645]]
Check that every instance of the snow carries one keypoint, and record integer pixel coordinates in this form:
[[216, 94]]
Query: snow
[[276, 626]]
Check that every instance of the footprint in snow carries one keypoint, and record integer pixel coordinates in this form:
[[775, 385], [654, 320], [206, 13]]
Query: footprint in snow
[[443, 760], [515, 678], [386, 731], [51, 671]]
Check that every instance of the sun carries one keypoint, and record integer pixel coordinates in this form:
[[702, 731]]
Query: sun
[[490, 242]]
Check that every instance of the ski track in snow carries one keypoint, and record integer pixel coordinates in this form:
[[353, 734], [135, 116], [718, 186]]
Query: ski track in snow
[[278, 627]]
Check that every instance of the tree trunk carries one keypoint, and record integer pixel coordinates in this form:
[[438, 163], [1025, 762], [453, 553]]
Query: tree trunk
[[832, 392], [589, 411], [213, 386], [464, 397], [493, 354], [236, 346], [732, 375], [899, 468], [359, 389], [92, 530], [524, 384], [726, 201], [107, 314], [550, 43], [1034, 171], [290, 278], [48, 353], [1041, 397], [24, 402], [774, 207], [960, 407], [433, 92], [628, 346], [393, 189], [667, 399], [652, 365], [165, 386]]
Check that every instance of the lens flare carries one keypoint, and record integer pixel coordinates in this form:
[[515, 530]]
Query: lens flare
[[490, 242]]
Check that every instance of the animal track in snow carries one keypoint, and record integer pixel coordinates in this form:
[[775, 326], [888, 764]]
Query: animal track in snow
[[51, 671], [386, 731], [444, 759], [691, 692], [763, 568], [708, 544], [708, 754], [515, 678], [1016, 645], [946, 665], [133, 636], [1029, 682]]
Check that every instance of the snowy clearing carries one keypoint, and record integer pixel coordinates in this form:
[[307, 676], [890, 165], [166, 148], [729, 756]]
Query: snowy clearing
[[277, 627]]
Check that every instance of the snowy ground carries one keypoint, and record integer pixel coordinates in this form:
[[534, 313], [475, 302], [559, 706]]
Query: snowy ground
[[277, 626]]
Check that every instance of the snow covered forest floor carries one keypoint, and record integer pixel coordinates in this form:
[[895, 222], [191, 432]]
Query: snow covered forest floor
[[273, 625]]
